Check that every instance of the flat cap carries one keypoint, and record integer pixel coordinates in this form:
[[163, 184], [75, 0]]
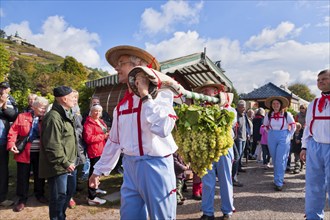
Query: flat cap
[[4, 85], [62, 91]]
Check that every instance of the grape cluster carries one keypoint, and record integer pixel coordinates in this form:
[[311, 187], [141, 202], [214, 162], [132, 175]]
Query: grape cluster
[[203, 134]]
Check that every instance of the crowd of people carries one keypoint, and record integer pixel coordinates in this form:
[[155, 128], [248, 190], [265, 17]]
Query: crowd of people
[[55, 143], [59, 139]]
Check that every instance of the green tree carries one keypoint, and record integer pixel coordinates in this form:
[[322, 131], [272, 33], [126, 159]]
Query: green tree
[[2, 34], [85, 93], [302, 91], [17, 80], [5, 62], [72, 66]]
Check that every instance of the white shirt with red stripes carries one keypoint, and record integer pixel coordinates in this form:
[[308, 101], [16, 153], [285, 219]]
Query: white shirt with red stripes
[[320, 127], [157, 118], [281, 123]]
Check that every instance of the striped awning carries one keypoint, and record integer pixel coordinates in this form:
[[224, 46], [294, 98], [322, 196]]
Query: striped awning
[[105, 81], [195, 68]]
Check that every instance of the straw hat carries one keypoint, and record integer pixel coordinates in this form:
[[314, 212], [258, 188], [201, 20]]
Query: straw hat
[[283, 100], [114, 53], [209, 83]]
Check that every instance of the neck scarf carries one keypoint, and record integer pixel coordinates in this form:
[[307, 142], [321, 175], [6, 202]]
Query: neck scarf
[[128, 97], [277, 115], [323, 98]]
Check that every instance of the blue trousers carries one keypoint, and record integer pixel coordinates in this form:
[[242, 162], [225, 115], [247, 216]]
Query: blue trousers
[[317, 179], [238, 153], [279, 149], [61, 191], [149, 188], [222, 169]]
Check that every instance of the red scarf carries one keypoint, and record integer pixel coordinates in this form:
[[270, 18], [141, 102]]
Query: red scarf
[[321, 105], [277, 115], [128, 97]]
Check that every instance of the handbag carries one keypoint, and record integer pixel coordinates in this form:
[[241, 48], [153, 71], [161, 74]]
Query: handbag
[[21, 143]]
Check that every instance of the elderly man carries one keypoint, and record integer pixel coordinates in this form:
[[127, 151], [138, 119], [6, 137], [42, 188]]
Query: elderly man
[[221, 169], [58, 151], [316, 150], [141, 129], [242, 131]]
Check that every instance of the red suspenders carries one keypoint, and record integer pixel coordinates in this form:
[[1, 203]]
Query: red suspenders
[[279, 117], [128, 97], [316, 117]]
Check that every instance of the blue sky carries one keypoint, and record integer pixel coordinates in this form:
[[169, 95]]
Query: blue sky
[[283, 42]]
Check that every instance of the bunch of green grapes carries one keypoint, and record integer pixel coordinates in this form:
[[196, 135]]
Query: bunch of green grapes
[[202, 144]]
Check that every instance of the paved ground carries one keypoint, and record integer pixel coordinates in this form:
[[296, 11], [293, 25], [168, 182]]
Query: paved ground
[[255, 200]]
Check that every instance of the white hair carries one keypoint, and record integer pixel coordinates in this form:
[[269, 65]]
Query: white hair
[[40, 101], [241, 103], [95, 107]]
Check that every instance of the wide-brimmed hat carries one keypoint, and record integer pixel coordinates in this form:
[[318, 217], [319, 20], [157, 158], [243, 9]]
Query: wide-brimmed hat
[[210, 83], [283, 100], [114, 53]]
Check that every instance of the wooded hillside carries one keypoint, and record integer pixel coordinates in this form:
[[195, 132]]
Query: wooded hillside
[[32, 70]]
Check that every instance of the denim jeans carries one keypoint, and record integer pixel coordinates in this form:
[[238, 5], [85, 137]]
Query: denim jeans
[[4, 172], [86, 167], [238, 153], [72, 183], [61, 191]]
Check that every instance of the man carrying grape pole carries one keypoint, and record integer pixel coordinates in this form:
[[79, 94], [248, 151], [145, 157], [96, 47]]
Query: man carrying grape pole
[[141, 130], [221, 169]]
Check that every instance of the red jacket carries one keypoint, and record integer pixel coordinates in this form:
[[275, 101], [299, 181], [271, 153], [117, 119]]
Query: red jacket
[[94, 137], [21, 127]]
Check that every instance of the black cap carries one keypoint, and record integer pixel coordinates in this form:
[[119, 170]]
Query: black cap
[[62, 91], [4, 85]]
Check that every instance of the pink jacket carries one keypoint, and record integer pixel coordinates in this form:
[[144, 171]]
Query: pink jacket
[[264, 135]]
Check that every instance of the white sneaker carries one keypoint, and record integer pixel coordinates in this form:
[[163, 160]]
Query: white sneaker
[[96, 201], [100, 191]]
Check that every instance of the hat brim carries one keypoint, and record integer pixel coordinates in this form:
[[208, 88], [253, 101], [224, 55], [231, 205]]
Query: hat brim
[[113, 54], [201, 88], [284, 101]]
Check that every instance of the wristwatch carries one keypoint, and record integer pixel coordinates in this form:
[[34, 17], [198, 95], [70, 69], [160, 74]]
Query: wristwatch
[[146, 98]]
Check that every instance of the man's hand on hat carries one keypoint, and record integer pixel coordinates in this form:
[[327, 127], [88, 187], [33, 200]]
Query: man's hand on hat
[[142, 84]]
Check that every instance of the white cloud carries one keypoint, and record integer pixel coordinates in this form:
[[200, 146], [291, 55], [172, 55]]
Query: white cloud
[[172, 12], [270, 36], [278, 77], [285, 62], [2, 13], [60, 38], [325, 23]]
